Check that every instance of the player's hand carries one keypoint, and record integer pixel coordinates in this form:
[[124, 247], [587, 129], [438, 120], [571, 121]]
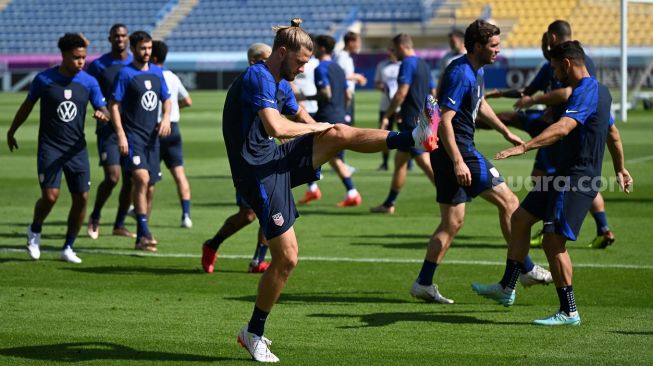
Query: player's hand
[[164, 128], [385, 123], [513, 151], [524, 102], [625, 180], [123, 147], [463, 175], [11, 141], [321, 126], [100, 116], [513, 139], [494, 93], [362, 80]]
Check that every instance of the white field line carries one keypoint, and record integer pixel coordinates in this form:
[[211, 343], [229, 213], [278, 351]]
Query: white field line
[[327, 259], [640, 159]]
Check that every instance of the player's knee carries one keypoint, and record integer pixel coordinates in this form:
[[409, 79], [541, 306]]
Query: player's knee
[[112, 179], [286, 264], [50, 196], [140, 180], [340, 131], [250, 216], [453, 225]]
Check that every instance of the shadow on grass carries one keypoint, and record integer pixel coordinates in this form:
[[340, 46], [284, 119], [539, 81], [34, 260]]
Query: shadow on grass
[[22, 236], [623, 332], [304, 211], [422, 245], [91, 351], [385, 319], [329, 298], [218, 204], [422, 236], [130, 270], [628, 199], [47, 223]]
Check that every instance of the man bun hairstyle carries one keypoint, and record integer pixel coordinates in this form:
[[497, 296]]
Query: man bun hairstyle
[[70, 41], [480, 32], [292, 37], [571, 50]]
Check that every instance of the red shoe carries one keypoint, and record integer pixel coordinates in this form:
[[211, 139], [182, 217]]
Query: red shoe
[[311, 196], [259, 268], [351, 201], [209, 255]]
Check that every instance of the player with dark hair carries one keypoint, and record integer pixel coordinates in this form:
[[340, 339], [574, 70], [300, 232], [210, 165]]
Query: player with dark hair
[[562, 203], [104, 69], [64, 91], [385, 81], [414, 84], [171, 149], [343, 58], [264, 172], [463, 173], [137, 90]]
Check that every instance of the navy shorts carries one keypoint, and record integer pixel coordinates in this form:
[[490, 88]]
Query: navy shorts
[[484, 176], [268, 191], [107, 145], [52, 162], [171, 147], [531, 121], [546, 158], [143, 156], [240, 202], [561, 206]]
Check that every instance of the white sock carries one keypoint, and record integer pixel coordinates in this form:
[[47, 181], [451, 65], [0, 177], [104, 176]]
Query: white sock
[[352, 193], [312, 187]]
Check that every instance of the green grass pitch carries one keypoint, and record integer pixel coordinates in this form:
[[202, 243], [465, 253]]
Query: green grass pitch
[[347, 303]]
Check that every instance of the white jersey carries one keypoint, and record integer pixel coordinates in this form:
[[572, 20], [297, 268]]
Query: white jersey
[[177, 92], [387, 73], [344, 60], [305, 83]]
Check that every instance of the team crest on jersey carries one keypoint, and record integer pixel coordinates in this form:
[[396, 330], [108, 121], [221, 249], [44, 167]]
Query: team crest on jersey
[[278, 219], [68, 93], [149, 101], [136, 160], [67, 111], [148, 84]]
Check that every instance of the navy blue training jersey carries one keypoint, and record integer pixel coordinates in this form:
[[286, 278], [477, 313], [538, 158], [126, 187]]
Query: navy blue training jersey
[[582, 150], [329, 73], [63, 106], [462, 91], [414, 72], [138, 93], [248, 145], [105, 68]]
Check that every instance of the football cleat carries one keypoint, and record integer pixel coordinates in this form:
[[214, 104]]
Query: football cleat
[[122, 231], [559, 318], [311, 196], [67, 255], [209, 256], [602, 241], [351, 201], [495, 292], [258, 347], [33, 243], [537, 276], [186, 222], [426, 132], [429, 294], [383, 209], [146, 243], [93, 229], [258, 267]]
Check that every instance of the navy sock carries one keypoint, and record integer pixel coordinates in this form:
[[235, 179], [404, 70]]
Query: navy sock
[[426, 274], [257, 322], [36, 228], [348, 183], [385, 158], [262, 250], [70, 241], [511, 274], [392, 197], [216, 241], [95, 215], [528, 265], [185, 207], [567, 299], [142, 228], [399, 139], [120, 219], [601, 222]]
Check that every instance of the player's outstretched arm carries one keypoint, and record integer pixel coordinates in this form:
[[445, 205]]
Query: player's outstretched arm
[[554, 97], [302, 116], [116, 120], [448, 139], [617, 153], [486, 113], [21, 116], [278, 127], [548, 137]]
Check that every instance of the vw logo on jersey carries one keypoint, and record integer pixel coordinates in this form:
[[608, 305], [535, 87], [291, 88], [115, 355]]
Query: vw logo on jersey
[[149, 100], [68, 93], [67, 111]]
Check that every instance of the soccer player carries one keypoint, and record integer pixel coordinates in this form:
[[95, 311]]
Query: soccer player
[[332, 99], [385, 81], [352, 46], [104, 69], [264, 172], [456, 49], [462, 171], [258, 52], [64, 91], [137, 90], [414, 82], [171, 148], [563, 201]]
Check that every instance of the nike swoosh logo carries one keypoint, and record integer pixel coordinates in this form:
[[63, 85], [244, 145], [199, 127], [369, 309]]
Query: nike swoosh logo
[[451, 100], [568, 111], [268, 100]]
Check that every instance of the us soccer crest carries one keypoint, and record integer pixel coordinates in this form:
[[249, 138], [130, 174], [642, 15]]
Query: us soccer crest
[[67, 93], [136, 160], [148, 84], [278, 219]]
